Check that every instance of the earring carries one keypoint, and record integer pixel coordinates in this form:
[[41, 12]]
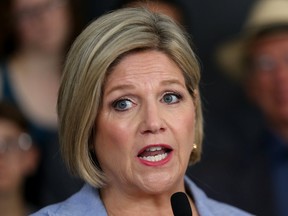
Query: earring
[[194, 146]]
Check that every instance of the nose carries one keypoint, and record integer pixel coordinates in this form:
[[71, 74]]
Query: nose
[[152, 121]]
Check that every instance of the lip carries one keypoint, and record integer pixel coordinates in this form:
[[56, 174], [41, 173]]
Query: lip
[[156, 163]]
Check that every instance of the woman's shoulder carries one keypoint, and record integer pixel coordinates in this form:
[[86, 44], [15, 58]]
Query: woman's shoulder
[[208, 206], [85, 203]]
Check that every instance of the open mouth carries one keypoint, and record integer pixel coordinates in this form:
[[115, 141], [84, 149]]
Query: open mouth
[[154, 153]]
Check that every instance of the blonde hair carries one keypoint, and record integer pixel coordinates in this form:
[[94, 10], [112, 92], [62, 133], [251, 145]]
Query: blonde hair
[[100, 46]]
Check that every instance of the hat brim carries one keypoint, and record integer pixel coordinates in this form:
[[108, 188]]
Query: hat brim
[[232, 55], [229, 57]]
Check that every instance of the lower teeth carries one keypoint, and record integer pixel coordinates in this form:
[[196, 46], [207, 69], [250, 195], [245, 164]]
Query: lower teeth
[[155, 158]]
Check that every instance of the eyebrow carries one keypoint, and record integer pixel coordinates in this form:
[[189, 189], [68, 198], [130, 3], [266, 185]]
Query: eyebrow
[[120, 87], [172, 82], [130, 86]]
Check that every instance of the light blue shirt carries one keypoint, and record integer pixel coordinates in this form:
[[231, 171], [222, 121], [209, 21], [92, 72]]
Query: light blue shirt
[[87, 202]]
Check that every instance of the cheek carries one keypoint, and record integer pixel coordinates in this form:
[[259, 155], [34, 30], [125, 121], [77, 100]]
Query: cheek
[[186, 128], [264, 88], [62, 23], [15, 168], [112, 139], [190, 129], [25, 31], [264, 82], [259, 88]]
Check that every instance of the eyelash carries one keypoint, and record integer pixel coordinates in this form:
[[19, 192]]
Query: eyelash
[[115, 102], [176, 94]]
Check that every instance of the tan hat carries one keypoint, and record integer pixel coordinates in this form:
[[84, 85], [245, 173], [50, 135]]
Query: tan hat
[[263, 15]]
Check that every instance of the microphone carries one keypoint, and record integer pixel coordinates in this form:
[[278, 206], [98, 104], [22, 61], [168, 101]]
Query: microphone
[[180, 204]]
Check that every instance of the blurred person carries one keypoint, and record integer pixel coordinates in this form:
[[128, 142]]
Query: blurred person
[[258, 58], [132, 123], [19, 159], [40, 35], [34, 56]]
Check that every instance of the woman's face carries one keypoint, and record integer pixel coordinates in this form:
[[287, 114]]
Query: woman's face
[[42, 25], [145, 127]]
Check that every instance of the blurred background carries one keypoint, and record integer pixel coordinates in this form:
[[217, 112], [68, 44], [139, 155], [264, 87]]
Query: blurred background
[[231, 122]]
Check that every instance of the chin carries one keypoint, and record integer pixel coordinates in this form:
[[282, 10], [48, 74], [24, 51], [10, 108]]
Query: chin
[[158, 182]]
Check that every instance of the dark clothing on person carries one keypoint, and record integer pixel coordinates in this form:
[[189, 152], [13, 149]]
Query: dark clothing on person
[[277, 152], [52, 182], [252, 177]]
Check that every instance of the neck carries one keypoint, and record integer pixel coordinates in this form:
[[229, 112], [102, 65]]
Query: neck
[[117, 203], [38, 63]]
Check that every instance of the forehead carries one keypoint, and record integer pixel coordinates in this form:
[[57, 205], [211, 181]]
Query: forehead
[[270, 41], [146, 65]]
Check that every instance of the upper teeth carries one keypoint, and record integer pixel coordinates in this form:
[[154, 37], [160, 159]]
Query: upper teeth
[[156, 148]]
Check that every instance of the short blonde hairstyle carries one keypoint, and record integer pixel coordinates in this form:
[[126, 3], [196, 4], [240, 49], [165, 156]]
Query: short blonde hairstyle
[[98, 48]]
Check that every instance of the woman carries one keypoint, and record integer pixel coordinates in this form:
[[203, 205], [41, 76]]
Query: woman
[[130, 118], [18, 161], [39, 34]]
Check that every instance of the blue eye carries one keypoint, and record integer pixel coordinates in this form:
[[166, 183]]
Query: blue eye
[[122, 104], [171, 98]]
